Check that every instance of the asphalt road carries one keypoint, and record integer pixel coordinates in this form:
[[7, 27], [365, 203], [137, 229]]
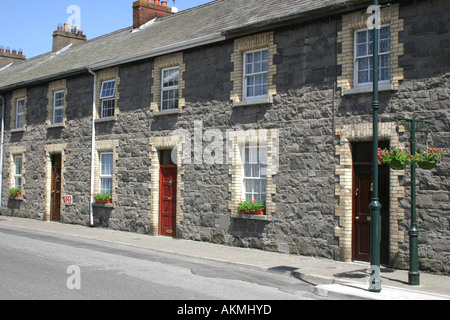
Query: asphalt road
[[39, 266]]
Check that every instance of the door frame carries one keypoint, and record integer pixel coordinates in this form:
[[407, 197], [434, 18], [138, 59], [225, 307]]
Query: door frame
[[360, 132], [156, 145], [51, 150]]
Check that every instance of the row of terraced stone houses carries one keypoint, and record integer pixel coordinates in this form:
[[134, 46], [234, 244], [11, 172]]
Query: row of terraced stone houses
[[184, 115]]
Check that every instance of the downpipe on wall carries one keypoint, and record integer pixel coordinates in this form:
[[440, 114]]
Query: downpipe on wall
[[94, 110], [1, 148]]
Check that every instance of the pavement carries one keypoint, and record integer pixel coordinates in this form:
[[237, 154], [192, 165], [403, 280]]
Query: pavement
[[332, 279]]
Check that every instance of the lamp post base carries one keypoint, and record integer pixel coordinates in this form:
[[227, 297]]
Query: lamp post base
[[375, 279], [414, 278]]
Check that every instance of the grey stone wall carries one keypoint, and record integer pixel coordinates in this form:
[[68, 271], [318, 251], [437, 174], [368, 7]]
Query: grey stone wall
[[305, 110]]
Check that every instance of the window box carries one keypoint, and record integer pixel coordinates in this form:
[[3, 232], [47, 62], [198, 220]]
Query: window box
[[103, 205], [15, 194]]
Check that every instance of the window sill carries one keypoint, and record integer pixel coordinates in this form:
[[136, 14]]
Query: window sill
[[165, 112], [56, 126], [18, 130], [103, 205], [381, 87], [250, 217], [254, 102], [107, 119], [16, 198]]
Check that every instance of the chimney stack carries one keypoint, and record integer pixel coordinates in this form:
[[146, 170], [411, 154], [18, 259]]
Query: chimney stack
[[146, 10], [6, 57], [62, 37]]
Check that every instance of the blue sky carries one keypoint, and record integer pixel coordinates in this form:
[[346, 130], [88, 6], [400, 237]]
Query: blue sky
[[29, 24]]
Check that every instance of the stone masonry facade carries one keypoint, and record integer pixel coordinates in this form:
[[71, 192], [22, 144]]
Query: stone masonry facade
[[311, 119]]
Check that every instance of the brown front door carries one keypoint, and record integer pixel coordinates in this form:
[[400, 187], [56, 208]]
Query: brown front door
[[362, 197], [55, 207], [167, 197]]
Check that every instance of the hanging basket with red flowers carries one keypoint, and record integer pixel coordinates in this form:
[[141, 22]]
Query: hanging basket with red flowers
[[428, 158], [396, 158]]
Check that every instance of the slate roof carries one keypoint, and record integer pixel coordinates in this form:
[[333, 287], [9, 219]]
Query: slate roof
[[206, 23]]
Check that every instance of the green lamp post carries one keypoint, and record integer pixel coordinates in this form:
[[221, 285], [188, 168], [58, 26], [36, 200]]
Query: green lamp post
[[375, 205], [413, 126]]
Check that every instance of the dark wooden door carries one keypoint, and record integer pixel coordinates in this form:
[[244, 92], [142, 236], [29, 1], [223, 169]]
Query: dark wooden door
[[55, 207], [362, 197], [168, 200]]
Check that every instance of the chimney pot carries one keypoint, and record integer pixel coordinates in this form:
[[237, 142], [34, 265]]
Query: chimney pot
[[164, 3], [14, 51], [20, 52], [8, 50], [2, 49], [66, 27], [60, 27]]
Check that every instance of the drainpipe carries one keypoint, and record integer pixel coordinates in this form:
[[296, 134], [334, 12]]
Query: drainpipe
[[94, 111], [1, 148]]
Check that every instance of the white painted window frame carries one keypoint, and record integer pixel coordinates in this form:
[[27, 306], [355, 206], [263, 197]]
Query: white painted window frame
[[260, 152], [170, 88], [58, 107], [20, 116], [18, 173], [104, 176], [106, 98], [246, 76], [357, 58]]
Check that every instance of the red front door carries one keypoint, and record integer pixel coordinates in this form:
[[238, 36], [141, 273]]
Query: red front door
[[168, 200]]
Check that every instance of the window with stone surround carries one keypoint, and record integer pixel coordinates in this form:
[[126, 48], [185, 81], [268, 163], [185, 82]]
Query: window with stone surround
[[18, 171], [105, 169], [254, 168], [254, 69], [364, 57], [355, 58], [56, 107], [17, 168], [170, 88], [254, 159], [108, 81], [107, 97], [256, 73], [20, 113], [106, 172], [168, 84]]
